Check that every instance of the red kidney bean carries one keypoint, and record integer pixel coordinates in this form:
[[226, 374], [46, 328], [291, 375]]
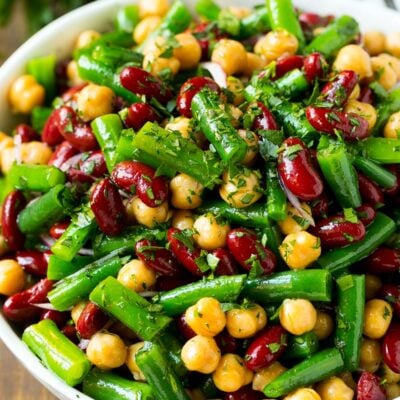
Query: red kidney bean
[[60, 318], [71, 333], [297, 172], [391, 348], [186, 255], [244, 393], [90, 321], [227, 343], [287, 63], [366, 214], [207, 34], [369, 387], [32, 261], [189, 89], [20, 308], [77, 176], [141, 82], [266, 348], [329, 121], [338, 89], [366, 95], [152, 190], [264, 120], [226, 264], [384, 260], [94, 164], [310, 21], [157, 258], [12, 205], [185, 330], [391, 293], [107, 206], [62, 153], [370, 192], [26, 133], [320, 206], [127, 173], [337, 232], [394, 190], [314, 66], [139, 114], [58, 229], [248, 250], [51, 133], [165, 283]]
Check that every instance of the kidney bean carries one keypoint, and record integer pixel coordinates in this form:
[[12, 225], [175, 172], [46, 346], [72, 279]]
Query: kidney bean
[[94, 164], [107, 206], [189, 89], [325, 120], [26, 133], [314, 66], [60, 318], [244, 393], [58, 229], [139, 114], [248, 250], [51, 133], [369, 387], [391, 293], [227, 343], [62, 153], [20, 307], [71, 333], [153, 190], [310, 21], [394, 190], [12, 205], [366, 95], [165, 283], [185, 254], [226, 264], [320, 206], [141, 82], [185, 330], [391, 348], [32, 261], [126, 174], [337, 232], [157, 258], [370, 192], [207, 34], [338, 89], [263, 120], [287, 63], [296, 170], [90, 321], [266, 348], [366, 214], [384, 260]]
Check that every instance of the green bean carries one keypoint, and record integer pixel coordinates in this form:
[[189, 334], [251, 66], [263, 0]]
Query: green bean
[[381, 150], [117, 56], [58, 268], [208, 9], [292, 85], [39, 117], [276, 198], [375, 172], [302, 346], [127, 18], [44, 71], [385, 108]]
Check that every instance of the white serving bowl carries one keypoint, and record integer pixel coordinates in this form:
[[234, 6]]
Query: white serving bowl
[[58, 37]]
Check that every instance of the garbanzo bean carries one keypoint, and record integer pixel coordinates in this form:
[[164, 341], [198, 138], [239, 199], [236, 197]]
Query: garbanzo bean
[[25, 94], [392, 391], [35, 153], [392, 43], [303, 394], [137, 276], [266, 375], [275, 44], [251, 140], [235, 87], [334, 388], [324, 326], [388, 375], [145, 27], [159, 65], [377, 318], [392, 127], [189, 51], [231, 55], [73, 74], [297, 316], [85, 38], [295, 222], [94, 101], [374, 42], [355, 58], [372, 285], [131, 362], [185, 192], [370, 355], [384, 72], [182, 219], [153, 8], [149, 216], [364, 110], [12, 277], [181, 125], [210, 232], [254, 63]]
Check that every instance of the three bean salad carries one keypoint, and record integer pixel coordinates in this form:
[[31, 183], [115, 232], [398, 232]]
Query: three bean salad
[[208, 207]]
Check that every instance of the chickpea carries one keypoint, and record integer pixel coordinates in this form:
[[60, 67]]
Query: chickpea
[[392, 43], [35, 153], [275, 44], [384, 72], [392, 127], [231, 55], [388, 375], [131, 362], [7, 159], [85, 38], [324, 326], [297, 316], [353, 57], [230, 374], [137, 276], [181, 125], [266, 375], [201, 354], [234, 112], [5, 141], [347, 378], [106, 350], [392, 391], [334, 388], [355, 94], [303, 394], [393, 62], [94, 101], [370, 355], [182, 219], [240, 12], [189, 51], [299, 250], [243, 323], [210, 232], [241, 190], [158, 66], [77, 310], [251, 140], [25, 94], [185, 192], [254, 63], [377, 318], [153, 7], [145, 27], [206, 317], [73, 74], [12, 277], [364, 110], [374, 42], [149, 216], [236, 89], [295, 222], [372, 285]]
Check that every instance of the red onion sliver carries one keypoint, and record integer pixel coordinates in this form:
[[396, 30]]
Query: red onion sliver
[[217, 73]]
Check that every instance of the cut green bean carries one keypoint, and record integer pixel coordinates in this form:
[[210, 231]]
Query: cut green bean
[[302, 346], [44, 71], [59, 269], [127, 18], [39, 117], [208, 9], [117, 56], [276, 198], [375, 172], [385, 108], [292, 85], [381, 150]]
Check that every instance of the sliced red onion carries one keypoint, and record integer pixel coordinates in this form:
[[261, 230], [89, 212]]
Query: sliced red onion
[[124, 195], [71, 162], [45, 306], [83, 344], [47, 239], [217, 73], [86, 252]]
